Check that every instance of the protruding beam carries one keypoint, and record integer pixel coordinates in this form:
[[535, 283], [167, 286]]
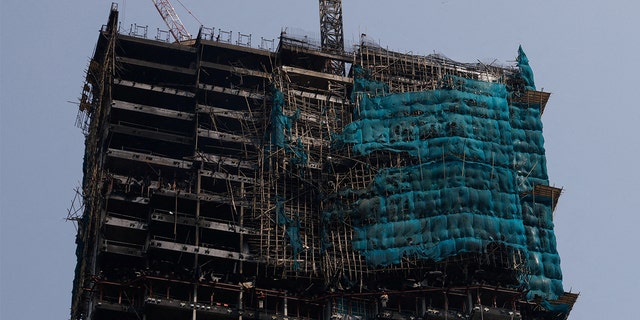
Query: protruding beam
[[530, 97]]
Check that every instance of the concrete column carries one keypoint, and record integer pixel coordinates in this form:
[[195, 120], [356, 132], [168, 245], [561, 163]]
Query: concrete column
[[285, 306]]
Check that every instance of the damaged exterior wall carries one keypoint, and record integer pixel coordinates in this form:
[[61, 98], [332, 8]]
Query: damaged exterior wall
[[223, 181]]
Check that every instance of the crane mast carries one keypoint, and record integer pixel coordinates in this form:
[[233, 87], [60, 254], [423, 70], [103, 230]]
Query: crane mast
[[170, 17], [331, 34]]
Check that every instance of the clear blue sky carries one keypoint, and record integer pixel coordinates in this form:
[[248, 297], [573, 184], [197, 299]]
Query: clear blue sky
[[584, 52]]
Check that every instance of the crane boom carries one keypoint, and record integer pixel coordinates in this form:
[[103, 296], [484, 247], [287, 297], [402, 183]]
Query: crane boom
[[170, 17], [331, 34]]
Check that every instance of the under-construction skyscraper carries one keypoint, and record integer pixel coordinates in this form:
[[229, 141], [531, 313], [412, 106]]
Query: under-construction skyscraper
[[310, 181]]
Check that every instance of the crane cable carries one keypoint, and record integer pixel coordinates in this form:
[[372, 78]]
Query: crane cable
[[189, 11]]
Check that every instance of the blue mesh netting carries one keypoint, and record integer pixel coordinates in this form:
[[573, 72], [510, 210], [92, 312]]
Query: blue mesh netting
[[477, 155], [292, 230], [278, 134], [280, 124], [525, 70]]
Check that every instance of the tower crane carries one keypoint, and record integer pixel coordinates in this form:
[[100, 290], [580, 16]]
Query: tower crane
[[331, 34], [170, 17]]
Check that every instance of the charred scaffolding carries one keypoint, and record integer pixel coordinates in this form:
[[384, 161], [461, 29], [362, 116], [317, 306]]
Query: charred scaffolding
[[224, 181]]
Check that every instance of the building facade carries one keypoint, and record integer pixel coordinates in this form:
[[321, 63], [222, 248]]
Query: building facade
[[225, 181]]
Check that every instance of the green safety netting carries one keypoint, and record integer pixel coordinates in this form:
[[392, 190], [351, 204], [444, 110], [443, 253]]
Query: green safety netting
[[478, 156], [292, 229], [526, 72], [478, 159]]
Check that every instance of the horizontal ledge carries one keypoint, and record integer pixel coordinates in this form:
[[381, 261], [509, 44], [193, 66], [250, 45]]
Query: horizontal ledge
[[156, 43], [227, 176], [155, 65], [236, 92], [217, 135], [316, 96], [237, 70], [155, 88], [230, 46], [208, 197], [126, 249], [150, 134], [316, 74], [123, 105], [202, 222], [292, 44], [148, 158], [225, 161], [125, 223], [222, 112], [187, 248]]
